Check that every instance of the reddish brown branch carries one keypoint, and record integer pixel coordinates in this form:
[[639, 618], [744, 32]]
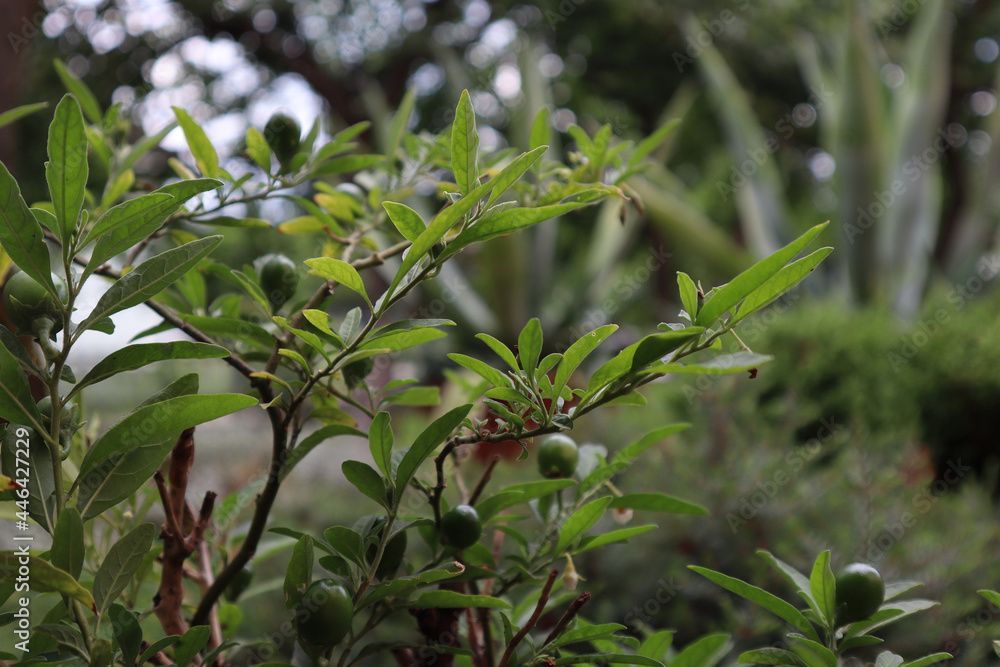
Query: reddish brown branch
[[539, 608], [571, 612], [485, 479], [178, 544]]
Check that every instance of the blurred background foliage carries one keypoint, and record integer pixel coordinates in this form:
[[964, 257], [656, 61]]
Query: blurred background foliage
[[879, 115]]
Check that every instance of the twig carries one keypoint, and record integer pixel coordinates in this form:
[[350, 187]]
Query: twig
[[564, 621], [484, 480], [535, 615]]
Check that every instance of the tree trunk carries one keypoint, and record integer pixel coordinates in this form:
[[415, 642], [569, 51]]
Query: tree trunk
[[22, 22]]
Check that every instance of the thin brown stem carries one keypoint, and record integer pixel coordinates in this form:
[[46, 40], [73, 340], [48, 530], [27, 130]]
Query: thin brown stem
[[535, 615], [484, 480], [567, 617]]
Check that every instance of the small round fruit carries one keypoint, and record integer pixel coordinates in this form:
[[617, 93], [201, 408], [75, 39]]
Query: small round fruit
[[860, 592], [324, 615], [27, 301], [392, 555], [239, 583], [557, 456], [278, 278], [283, 133], [461, 527]]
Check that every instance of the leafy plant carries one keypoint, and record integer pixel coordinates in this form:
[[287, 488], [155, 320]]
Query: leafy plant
[[821, 636], [306, 370]]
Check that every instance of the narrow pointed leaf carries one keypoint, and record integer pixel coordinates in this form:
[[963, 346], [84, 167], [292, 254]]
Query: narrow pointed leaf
[[465, 146], [205, 157], [581, 521], [120, 565], [133, 357], [341, 272], [406, 220], [67, 168], [427, 442], [20, 234]]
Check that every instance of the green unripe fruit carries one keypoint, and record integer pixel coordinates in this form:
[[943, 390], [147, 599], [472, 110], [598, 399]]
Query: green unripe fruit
[[461, 527], [27, 302], [239, 583], [324, 615], [860, 593], [392, 555], [67, 423], [283, 134], [356, 371], [278, 276], [558, 456]]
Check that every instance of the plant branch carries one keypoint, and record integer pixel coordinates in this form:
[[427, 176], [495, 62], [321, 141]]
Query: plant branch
[[535, 615], [484, 480], [567, 617]]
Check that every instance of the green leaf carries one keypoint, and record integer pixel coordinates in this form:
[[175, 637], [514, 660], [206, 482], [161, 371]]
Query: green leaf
[[441, 223], [380, 441], [704, 652], [416, 397], [20, 234], [407, 221], [759, 596], [823, 587], [813, 651], [311, 441], [586, 633], [190, 644], [341, 272], [781, 282], [427, 442], [157, 646], [150, 278], [794, 577], [117, 477], [608, 659], [928, 660], [481, 368], [79, 89], [507, 222], [465, 146], [451, 599], [347, 163], [771, 656], [745, 283], [577, 352], [298, 574], [624, 458], [365, 479], [257, 149], [502, 350], [127, 632], [8, 117], [67, 542], [16, 404], [120, 565], [512, 172], [402, 585], [400, 120], [650, 143], [529, 346], [658, 502], [541, 130], [66, 637], [613, 537], [133, 357], [724, 364], [205, 157], [350, 326], [348, 543], [581, 521], [44, 577], [657, 644], [67, 168], [689, 294], [160, 420], [41, 482], [128, 223], [638, 355]]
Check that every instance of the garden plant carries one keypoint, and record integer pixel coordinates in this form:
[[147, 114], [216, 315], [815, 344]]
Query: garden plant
[[138, 571]]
